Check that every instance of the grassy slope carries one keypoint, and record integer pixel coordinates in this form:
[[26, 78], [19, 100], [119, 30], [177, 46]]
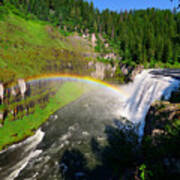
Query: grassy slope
[[14, 131], [31, 47]]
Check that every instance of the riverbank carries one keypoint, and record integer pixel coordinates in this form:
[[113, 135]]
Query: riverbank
[[18, 130]]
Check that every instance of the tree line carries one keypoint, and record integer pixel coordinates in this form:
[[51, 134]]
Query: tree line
[[138, 36]]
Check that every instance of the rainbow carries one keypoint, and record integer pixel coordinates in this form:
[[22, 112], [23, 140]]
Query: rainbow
[[70, 77]]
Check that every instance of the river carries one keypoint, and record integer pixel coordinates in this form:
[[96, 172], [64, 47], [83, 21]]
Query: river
[[77, 124]]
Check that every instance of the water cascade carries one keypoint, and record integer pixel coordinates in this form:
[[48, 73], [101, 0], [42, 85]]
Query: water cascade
[[148, 86]]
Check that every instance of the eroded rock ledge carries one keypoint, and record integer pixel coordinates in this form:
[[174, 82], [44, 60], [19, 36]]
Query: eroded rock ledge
[[161, 114], [161, 136], [20, 100]]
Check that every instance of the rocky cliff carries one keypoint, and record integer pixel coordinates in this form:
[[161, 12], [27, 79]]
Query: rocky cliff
[[21, 99], [162, 113], [160, 146]]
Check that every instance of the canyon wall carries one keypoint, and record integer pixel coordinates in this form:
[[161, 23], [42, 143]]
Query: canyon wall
[[21, 99]]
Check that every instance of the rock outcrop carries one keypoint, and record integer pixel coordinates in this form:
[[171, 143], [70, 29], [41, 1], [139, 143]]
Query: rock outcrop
[[161, 137], [15, 107], [102, 70], [1, 93], [93, 40], [160, 114], [136, 71], [110, 56], [22, 87]]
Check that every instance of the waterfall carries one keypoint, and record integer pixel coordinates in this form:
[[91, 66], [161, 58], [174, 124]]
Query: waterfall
[[148, 86]]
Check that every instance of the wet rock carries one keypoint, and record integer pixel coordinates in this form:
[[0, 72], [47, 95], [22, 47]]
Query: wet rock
[[124, 124]]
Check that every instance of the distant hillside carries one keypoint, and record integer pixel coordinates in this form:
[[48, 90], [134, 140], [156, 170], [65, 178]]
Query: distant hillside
[[32, 47], [150, 37], [39, 37]]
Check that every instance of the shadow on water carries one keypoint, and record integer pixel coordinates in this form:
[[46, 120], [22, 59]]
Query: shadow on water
[[116, 158]]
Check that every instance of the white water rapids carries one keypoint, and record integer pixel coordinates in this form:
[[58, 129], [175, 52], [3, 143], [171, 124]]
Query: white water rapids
[[29, 147]]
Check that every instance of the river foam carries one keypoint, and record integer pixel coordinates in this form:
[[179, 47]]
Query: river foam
[[29, 151]]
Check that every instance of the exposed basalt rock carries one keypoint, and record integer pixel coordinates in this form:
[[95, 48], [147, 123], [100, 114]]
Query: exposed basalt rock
[[21, 99], [1, 93], [99, 71], [160, 114], [102, 70], [161, 136], [22, 86], [110, 56]]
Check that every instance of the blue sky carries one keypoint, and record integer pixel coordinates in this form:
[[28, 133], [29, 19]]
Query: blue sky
[[118, 5]]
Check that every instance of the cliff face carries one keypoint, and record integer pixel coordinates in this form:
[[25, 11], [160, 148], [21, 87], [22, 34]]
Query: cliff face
[[21, 99], [160, 145], [162, 113]]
